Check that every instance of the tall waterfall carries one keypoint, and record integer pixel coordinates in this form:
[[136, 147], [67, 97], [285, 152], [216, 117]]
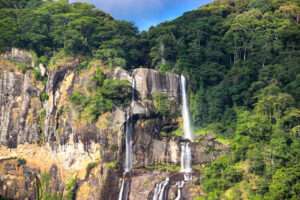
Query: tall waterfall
[[124, 190], [186, 155], [185, 112]]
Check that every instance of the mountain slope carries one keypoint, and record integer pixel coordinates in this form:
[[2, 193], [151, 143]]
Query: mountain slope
[[242, 62], [242, 59]]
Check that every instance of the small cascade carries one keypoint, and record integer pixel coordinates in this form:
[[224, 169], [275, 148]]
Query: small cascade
[[160, 191], [125, 186], [186, 155], [122, 190], [179, 185], [186, 158]]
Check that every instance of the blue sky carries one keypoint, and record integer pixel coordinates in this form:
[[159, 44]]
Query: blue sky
[[145, 13]]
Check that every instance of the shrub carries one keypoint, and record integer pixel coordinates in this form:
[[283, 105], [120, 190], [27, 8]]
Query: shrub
[[111, 165], [162, 104], [44, 96], [78, 99]]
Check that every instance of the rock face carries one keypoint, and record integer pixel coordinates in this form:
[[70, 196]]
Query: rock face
[[19, 55], [17, 181], [20, 106], [39, 124], [149, 81]]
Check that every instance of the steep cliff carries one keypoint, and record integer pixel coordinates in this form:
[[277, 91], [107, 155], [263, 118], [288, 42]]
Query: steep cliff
[[45, 130]]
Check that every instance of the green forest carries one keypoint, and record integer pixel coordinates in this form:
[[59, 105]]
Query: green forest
[[242, 61]]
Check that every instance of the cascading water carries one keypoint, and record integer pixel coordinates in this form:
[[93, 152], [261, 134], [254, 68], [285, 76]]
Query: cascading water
[[186, 155], [186, 158], [179, 185], [124, 191], [160, 191]]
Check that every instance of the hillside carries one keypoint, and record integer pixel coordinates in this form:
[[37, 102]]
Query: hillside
[[242, 59], [70, 75]]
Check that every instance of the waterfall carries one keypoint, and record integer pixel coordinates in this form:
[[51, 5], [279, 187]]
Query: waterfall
[[186, 157], [124, 191], [128, 147], [128, 132], [160, 191]]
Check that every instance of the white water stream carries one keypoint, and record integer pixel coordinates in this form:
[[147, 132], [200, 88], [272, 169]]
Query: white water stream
[[161, 189], [186, 155]]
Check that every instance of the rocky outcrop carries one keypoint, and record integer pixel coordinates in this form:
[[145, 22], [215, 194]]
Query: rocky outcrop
[[17, 181], [20, 108], [19, 55], [39, 124], [149, 82]]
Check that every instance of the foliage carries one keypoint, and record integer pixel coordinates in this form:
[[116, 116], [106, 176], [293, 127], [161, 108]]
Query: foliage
[[44, 189], [162, 104], [229, 50], [264, 139], [44, 96], [47, 27], [111, 165], [70, 189], [90, 166]]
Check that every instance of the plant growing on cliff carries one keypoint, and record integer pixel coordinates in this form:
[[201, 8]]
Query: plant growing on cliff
[[44, 191], [71, 187], [44, 96], [89, 168], [111, 165], [162, 104]]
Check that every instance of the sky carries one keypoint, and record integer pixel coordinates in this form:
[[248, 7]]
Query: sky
[[146, 13]]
